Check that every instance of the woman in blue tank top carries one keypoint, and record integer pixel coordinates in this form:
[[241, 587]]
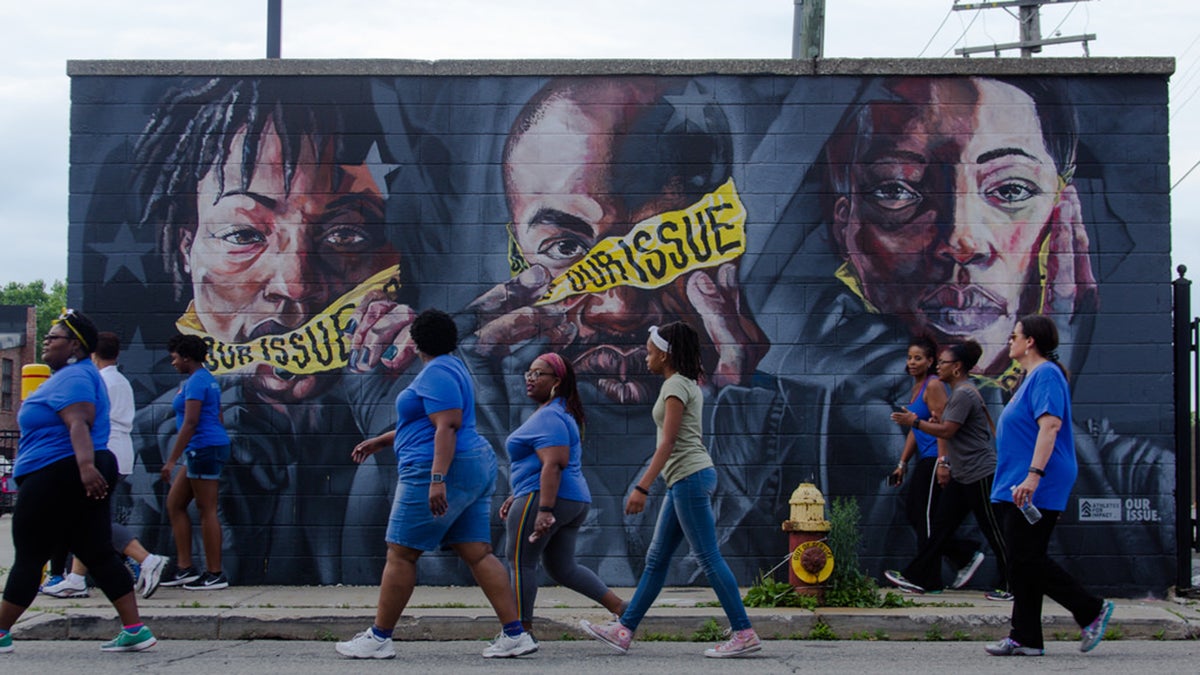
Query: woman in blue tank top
[[926, 399]]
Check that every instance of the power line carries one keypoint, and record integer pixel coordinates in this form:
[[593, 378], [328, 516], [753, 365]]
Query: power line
[[939, 29], [964, 33], [1185, 175], [1064, 19]]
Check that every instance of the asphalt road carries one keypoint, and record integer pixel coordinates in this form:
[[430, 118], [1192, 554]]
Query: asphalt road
[[266, 657]]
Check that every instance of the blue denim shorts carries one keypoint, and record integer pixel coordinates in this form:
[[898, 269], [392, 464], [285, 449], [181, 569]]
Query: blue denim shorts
[[470, 483], [206, 463]]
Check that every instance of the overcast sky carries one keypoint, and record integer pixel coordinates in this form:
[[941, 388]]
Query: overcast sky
[[39, 37]]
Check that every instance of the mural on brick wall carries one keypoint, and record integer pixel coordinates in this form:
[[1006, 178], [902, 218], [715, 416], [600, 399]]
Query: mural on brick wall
[[809, 228]]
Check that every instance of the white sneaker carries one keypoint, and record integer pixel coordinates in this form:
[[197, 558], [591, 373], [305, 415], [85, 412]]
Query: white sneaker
[[366, 646], [150, 575], [968, 571], [70, 587], [506, 647]]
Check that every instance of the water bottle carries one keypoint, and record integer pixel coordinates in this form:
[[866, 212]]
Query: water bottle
[[1030, 511]]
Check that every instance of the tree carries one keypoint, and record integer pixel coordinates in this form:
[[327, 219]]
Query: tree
[[49, 303]]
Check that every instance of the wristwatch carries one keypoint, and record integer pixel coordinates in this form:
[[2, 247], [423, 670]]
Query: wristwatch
[[437, 478]]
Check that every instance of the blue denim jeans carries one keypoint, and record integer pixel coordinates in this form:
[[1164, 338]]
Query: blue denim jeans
[[687, 512]]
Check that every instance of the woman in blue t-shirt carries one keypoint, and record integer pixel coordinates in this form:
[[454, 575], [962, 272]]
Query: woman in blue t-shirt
[[926, 400], [1035, 463], [202, 439], [64, 471], [550, 496], [444, 494]]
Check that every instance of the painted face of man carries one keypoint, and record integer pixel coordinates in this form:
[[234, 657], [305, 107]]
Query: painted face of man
[[266, 259], [951, 198], [560, 192]]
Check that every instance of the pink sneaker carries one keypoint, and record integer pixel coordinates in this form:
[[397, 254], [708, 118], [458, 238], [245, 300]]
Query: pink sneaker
[[743, 642], [612, 634]]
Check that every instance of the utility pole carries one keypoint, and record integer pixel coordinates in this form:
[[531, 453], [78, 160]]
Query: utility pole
[[808, 29], [274, 30], [1029, 17]]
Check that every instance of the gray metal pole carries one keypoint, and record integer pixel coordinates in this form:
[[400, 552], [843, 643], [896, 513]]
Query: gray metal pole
[[808, 29], [274, 29], [1183, 426]]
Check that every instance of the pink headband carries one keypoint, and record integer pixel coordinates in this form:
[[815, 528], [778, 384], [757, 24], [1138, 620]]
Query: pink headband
[[556, 363]]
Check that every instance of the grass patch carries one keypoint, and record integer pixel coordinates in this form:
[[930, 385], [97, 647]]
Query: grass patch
[[326, 635], [1160, 634], [1114, 632], [663, 637], [821, 631], [892, 600], [960, 636], [942, 603], [568, 637], [767, 592], [934, 634], [709, 603], [869, 636], [446, 605], [709, 632]]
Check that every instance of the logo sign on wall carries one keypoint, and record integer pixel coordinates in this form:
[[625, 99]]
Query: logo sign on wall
[[1094, 510]]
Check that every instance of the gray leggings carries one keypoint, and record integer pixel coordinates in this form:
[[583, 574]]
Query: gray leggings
[[555, 550]]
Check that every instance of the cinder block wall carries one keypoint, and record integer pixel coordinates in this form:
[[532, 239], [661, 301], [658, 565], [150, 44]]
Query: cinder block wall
[[854, 204]]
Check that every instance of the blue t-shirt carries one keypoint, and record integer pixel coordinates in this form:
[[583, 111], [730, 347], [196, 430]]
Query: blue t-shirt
[[926, 444], [549, 426], [1043, 392], [201, 386], [443, 384], [45, 439]]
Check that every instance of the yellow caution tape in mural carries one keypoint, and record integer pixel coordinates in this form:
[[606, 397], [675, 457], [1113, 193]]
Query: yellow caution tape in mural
[[659, 250], [320, 345]]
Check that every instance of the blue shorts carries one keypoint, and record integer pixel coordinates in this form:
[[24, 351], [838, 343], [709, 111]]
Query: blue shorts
[[470, 484], [206, 463]]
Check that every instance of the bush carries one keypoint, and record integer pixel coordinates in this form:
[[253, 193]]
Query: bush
[[848, 586]]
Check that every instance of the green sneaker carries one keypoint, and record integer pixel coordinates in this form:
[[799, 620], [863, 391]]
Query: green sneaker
[[130, 642], [6, 643]]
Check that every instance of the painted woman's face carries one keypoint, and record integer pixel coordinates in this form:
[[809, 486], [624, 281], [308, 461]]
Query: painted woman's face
[[952, 198], [267, 259]]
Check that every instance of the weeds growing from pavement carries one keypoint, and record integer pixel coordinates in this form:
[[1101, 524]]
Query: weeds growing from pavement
[[821, 631], [711, 631], [766, 592]]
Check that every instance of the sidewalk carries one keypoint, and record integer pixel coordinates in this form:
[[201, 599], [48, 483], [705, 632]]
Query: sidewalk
[[462, 613]]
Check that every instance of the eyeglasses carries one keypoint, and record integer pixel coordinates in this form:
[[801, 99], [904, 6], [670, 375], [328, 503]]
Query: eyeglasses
[[535, 374], [1017, 336], [942, 362], [51, 337]]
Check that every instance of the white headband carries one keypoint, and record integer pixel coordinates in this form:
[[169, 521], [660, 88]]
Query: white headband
[[658, 340]]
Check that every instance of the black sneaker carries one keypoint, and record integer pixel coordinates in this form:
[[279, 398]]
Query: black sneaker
[[181, 576], [208, 582]]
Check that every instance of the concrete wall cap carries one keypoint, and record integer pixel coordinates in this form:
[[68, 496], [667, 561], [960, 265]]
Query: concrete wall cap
[[577, 67]]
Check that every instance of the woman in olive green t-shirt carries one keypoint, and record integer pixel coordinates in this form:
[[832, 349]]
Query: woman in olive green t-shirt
[[674, 353]]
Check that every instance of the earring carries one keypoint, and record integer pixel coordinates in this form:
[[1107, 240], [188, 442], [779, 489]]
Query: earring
[[554, 391]]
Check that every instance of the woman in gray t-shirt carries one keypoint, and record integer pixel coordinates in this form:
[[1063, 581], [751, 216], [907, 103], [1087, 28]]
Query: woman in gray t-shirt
[[965, 473]]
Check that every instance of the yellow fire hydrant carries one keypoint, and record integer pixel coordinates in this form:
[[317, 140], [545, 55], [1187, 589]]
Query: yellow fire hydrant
[[812, 560]]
